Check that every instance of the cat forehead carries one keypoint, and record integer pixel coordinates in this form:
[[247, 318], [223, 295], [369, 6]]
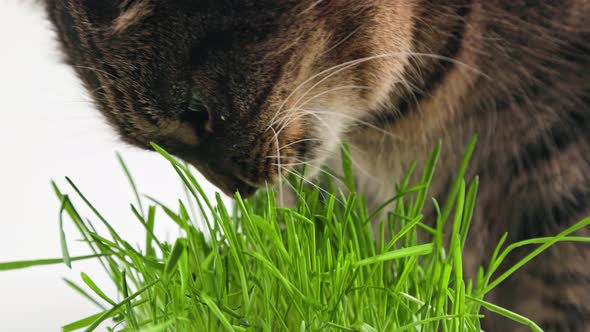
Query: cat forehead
[[119, 16]]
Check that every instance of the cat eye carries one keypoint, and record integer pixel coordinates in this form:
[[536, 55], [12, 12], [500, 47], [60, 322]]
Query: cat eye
[[196, 105], [198, 114]]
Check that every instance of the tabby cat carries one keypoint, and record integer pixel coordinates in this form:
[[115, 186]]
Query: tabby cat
[[249, 90]]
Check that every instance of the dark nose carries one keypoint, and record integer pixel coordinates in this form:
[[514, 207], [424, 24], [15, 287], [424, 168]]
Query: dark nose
[[230, 184], [215, 167], [245, 189]]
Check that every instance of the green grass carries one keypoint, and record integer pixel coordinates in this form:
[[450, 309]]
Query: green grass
[[314, 267]]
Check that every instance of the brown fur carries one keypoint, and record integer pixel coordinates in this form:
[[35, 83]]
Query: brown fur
[[280, 84], [132, 16]]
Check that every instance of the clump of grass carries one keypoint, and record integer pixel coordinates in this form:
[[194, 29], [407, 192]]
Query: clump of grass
[[315, 267]]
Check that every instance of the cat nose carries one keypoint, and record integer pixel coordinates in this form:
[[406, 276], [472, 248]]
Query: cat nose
[[245, 189], [230, 184]]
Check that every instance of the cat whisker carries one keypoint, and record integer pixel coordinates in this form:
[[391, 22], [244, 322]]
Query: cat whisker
[[346, 87], [295, 191], [312, 6], [315, 86], [294, 115], [326, 172], [299, 162], [293, 110], [97, 70], [322, 191], [279, 167], [342, 41], [349, 64], [337, 138], [359, 122], [326, 71], [321, 169], [299, 141], [305, 82], [280, 108], [95, 90]]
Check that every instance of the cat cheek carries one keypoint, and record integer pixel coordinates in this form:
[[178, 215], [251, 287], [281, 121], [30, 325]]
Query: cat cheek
[[180, 131]]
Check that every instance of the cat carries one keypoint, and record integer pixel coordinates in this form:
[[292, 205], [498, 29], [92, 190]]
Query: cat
[[247, 91]]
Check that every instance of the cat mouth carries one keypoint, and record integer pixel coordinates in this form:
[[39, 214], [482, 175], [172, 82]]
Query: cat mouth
[[230, 184], [273, 167], [294, 157], [245, 189], [271, 159]]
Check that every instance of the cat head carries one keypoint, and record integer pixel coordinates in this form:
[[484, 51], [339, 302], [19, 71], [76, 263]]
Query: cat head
[[242, 89]]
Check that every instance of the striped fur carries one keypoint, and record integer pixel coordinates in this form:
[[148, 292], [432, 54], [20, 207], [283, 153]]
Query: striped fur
[[283, 81]]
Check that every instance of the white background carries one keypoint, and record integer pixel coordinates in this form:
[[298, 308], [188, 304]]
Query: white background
[[48, 130]]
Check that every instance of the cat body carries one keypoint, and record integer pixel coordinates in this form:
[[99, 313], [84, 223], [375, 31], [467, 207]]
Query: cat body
[[247, 91]]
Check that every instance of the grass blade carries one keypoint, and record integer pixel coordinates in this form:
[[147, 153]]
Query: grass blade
[[419, 250], [62, 235], [40, 262], [90, 283], [109, 313]]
